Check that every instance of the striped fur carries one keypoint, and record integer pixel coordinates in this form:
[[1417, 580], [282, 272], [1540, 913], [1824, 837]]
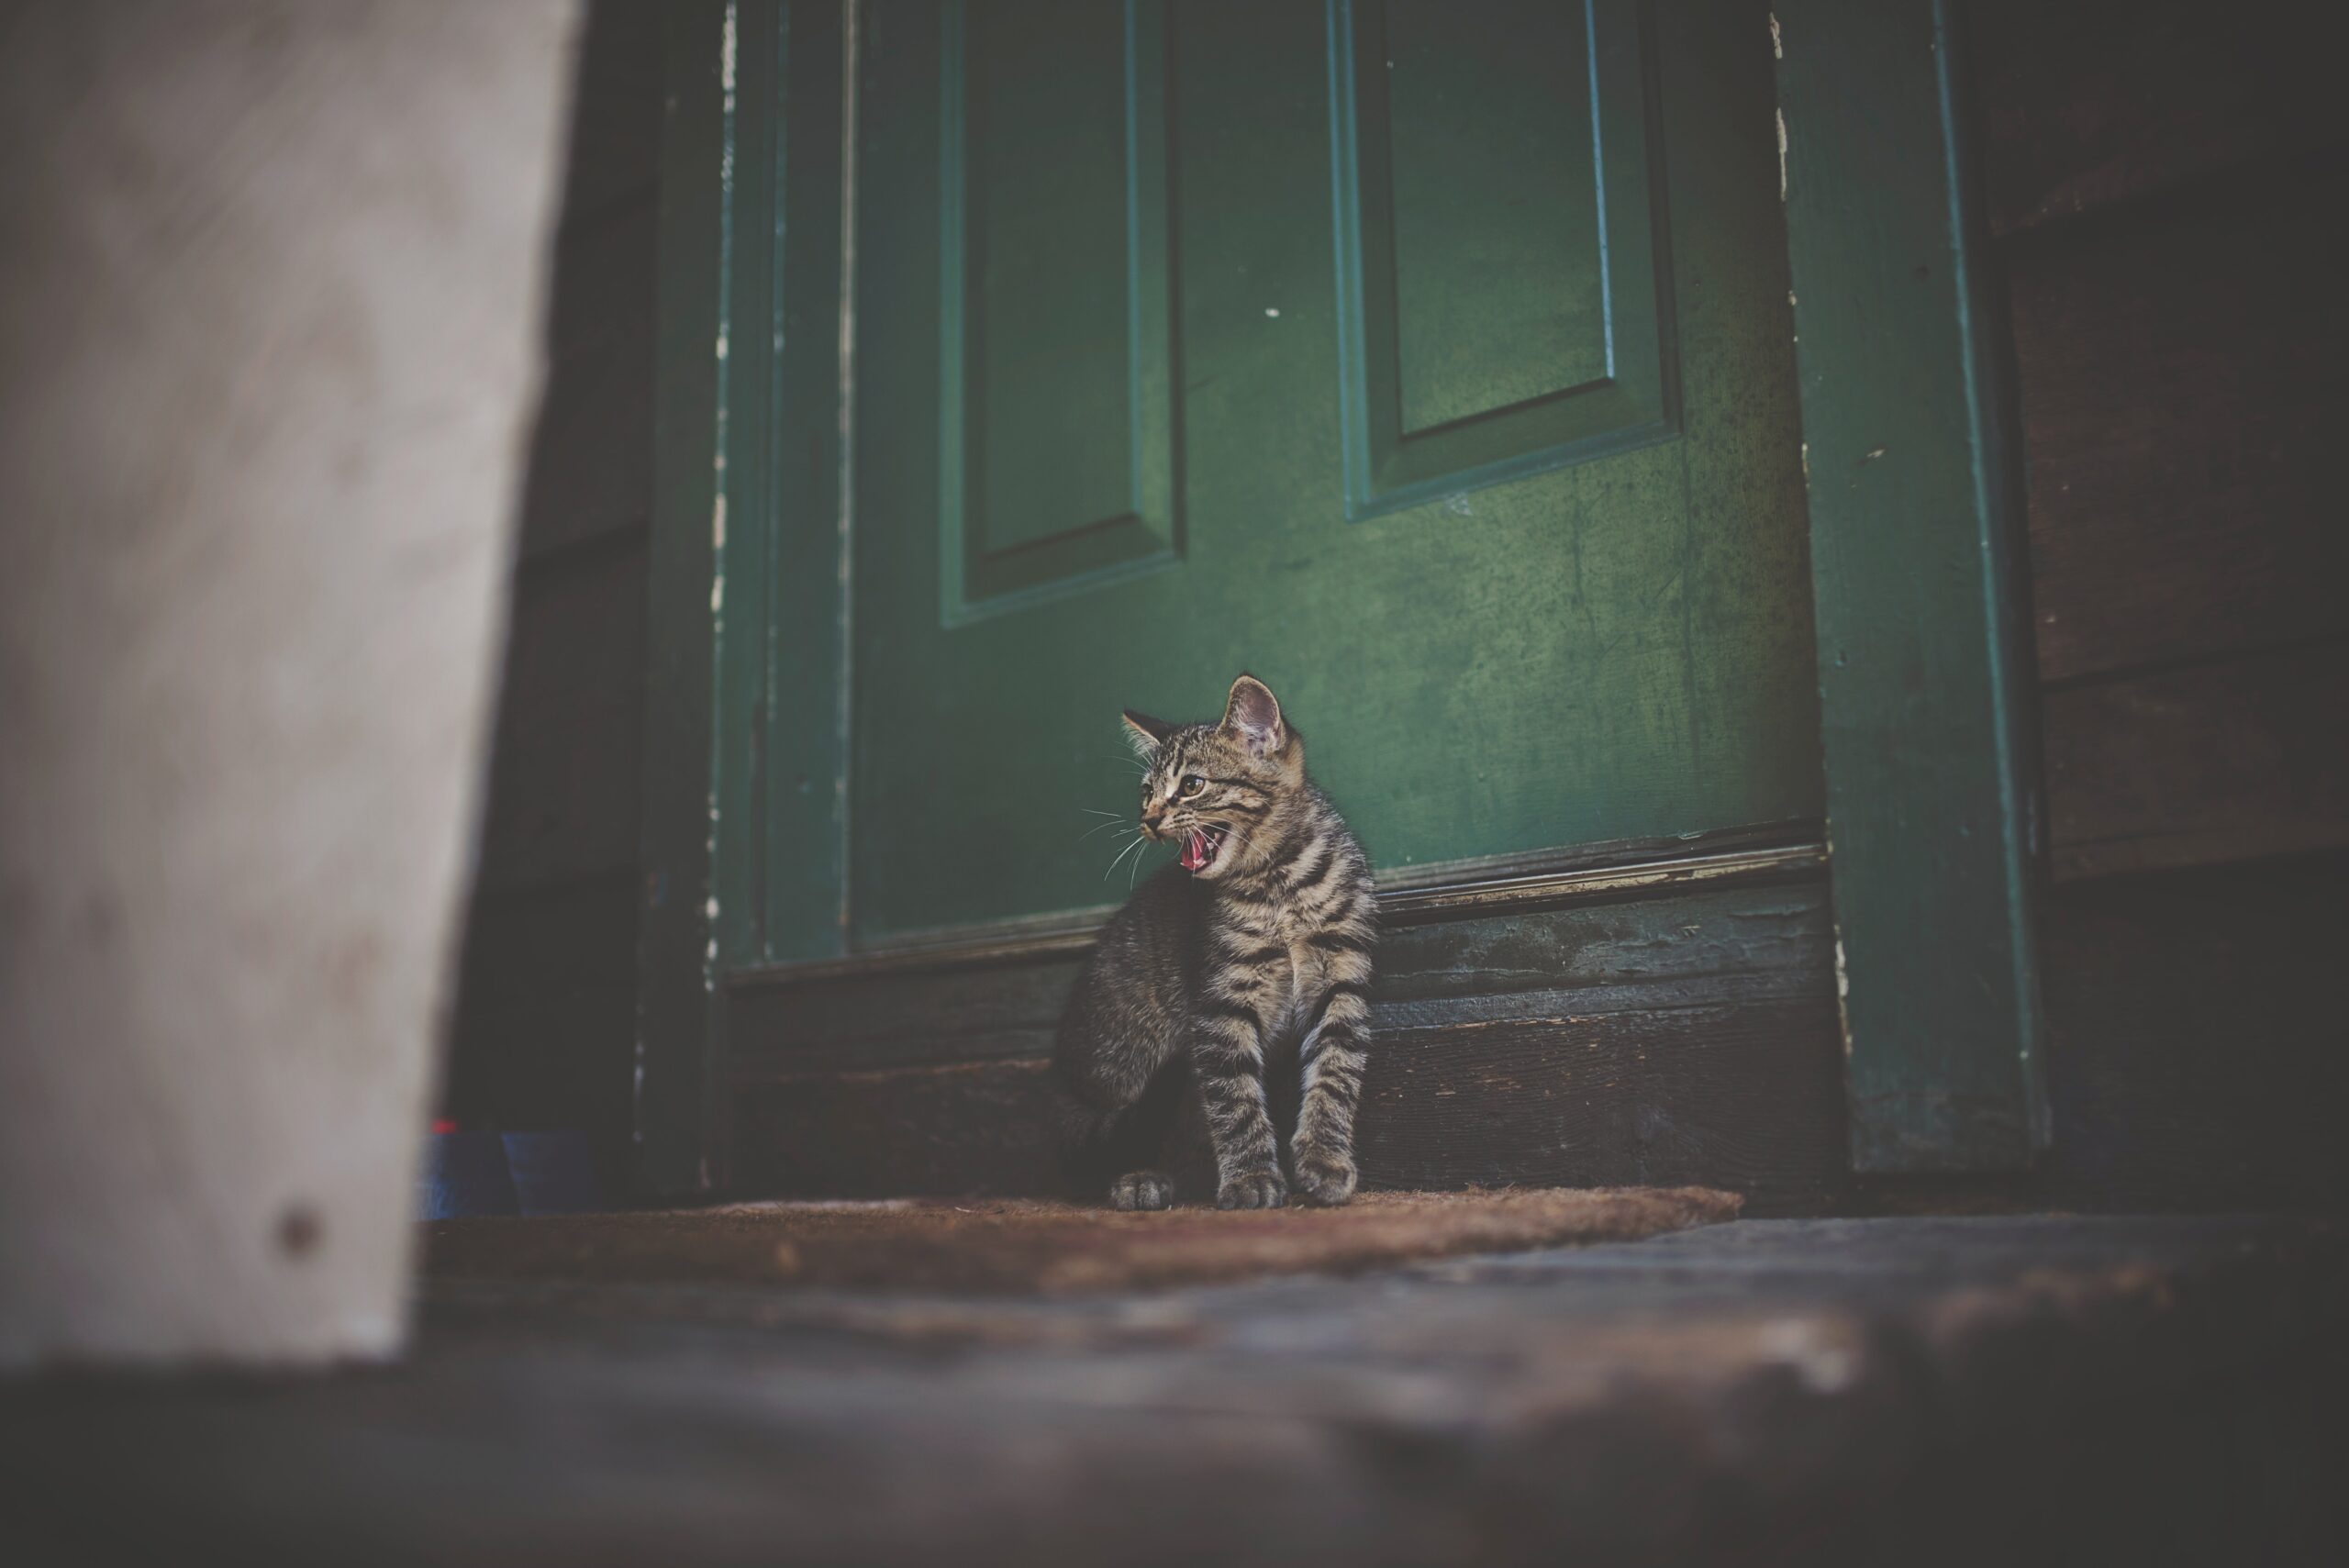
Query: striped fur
[[1207, 970]]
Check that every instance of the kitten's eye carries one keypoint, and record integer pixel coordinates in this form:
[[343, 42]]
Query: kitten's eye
[[1192, 784]]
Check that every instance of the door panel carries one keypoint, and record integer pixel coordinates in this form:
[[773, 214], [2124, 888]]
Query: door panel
[[1455, 401], [1500, 305], [1055, 351], [1490, 180]]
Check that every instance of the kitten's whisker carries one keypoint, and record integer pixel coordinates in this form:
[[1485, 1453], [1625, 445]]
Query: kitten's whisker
[[1099, 827], [1129, 849], [1119, 855]]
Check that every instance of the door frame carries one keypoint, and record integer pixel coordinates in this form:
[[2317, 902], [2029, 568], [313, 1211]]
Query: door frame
[[1925, 664]]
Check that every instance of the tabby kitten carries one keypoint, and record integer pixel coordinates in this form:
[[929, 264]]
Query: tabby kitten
[[1258, 936]]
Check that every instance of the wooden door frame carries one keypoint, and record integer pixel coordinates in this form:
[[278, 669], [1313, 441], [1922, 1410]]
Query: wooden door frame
[[1925, 669]]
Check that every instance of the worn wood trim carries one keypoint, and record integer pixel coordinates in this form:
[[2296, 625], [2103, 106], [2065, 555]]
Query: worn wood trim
[[678, 1078], [1689, 1037], [793, 772], [1719, 944], [746, 549], [1496, 893], [1454, 890], [1924, 670]]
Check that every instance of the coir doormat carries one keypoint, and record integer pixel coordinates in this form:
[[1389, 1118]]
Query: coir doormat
[[1027, 1247]]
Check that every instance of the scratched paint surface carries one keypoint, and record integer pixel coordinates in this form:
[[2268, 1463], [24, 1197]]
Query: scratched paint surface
[[1618, 647]]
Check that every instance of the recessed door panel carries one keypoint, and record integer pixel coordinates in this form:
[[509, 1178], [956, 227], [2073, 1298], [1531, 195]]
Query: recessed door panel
[[1055, 356], [1483, 122], [1498, 236]]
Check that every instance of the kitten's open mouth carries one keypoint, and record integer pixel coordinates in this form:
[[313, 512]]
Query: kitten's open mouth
[[1201, 845]]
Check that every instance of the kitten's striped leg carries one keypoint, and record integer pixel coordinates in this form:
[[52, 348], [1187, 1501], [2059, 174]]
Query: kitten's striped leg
[[1333, 1060], [1227, 1060]]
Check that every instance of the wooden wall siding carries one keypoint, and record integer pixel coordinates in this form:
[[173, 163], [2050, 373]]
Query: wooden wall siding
[[1689, 1038], [589, 475], [615, 154], [543, 1017], [2183, 398], [2086, 103], [2198, 1024], [2167, 181], [2226, 759], [564, 780]]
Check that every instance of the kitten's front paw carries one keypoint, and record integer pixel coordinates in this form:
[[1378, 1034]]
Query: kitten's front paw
[[1324, 1177], [1257, 1189], [1142, 1189]]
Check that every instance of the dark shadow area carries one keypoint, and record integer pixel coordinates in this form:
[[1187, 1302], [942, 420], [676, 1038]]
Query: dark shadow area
[[544, 1009]]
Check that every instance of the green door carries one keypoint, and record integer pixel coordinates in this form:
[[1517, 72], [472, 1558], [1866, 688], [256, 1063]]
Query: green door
[[1432, 361]]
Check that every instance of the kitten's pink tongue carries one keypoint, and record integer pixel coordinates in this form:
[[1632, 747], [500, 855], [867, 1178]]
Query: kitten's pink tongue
[[1194, 850]]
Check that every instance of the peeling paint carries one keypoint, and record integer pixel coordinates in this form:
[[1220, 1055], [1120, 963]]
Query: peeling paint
[[1872, 454], [1782, 156], [1777, 39], [1842, 995], [1805, 462]]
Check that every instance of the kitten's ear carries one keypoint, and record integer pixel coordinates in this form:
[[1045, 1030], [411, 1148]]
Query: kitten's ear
[[1253, 714], [1146, 734]]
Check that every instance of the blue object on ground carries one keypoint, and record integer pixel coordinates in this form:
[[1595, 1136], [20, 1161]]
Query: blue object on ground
[[553, 1172], [465, 1175]]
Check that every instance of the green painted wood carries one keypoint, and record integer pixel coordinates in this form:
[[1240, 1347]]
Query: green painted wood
[[743, 798], [1498, 235], [677, 1067], [1450, 173], [1924, 673], [795, 771], [1616, 648], [743, 518], [1053, 194]]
